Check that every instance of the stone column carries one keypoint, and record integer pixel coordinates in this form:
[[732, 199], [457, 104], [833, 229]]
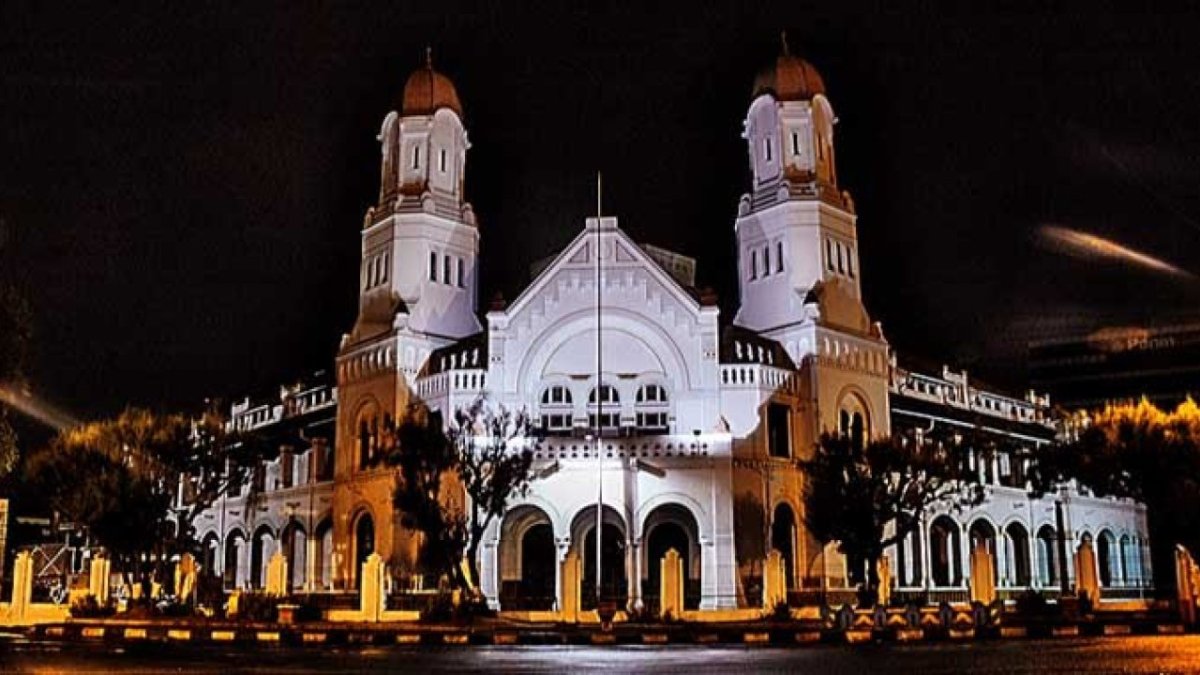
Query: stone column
[[926, 557], [277, 575], [774, 580], [964, 554], [635, 547], [572, 576], [561, 546], [670, 586], [22, 592], [370, 599], [98, 579]]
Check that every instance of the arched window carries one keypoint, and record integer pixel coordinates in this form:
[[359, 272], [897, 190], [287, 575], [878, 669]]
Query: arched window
[[652, 408], [556, 409], [607, 395], [853, 422], [651, 393], [609, 401]]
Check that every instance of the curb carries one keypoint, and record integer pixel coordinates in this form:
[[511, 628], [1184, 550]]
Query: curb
[[273, 636]]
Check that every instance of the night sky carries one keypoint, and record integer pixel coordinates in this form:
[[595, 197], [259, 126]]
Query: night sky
[[182, 191]]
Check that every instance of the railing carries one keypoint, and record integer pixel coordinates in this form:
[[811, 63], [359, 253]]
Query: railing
[[472, 381], [756, 375]]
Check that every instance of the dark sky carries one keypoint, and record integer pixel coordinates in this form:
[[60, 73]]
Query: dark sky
[[182, 191]]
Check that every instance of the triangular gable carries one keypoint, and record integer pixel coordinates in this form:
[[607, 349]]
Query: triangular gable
[[579, 253]]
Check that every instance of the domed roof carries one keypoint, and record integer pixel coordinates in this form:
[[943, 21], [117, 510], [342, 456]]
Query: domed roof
[[427, 91], [790, 79]]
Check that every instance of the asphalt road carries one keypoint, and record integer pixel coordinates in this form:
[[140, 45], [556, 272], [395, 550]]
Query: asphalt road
[[1176, 654]]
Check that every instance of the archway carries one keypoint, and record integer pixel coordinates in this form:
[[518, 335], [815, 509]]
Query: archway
[[324, 554], [235, 554], [1018, 554], [527, 560], [671, 526], [945, 561], [1106, 546], [783, 539], [261, 551], [908, 568], [364, 543], [210, 548], [1128, 573], [295, 546], [614, 584], [1047, 556], [982, 531]]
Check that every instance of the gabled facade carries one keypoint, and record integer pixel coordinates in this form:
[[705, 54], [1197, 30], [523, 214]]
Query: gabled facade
[[671, 428]]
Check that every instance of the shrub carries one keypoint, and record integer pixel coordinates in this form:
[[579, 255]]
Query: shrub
[[88, 607], [258, 607]]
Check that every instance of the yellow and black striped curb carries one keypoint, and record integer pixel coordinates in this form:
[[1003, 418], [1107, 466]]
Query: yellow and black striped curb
[[268, 635]]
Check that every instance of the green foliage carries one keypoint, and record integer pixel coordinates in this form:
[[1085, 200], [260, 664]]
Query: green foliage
[[1139, 452], [855, 492], [258, 607], [88, 607], [119, 480], [476, 459]]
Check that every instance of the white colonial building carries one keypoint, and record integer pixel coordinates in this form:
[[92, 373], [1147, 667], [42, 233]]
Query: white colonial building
[[687, 427]]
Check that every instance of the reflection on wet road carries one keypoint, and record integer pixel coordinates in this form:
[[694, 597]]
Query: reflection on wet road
[[1084, 655]]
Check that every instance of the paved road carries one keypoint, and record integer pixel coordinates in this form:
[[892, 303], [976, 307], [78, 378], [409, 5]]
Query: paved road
[[1085, 655]]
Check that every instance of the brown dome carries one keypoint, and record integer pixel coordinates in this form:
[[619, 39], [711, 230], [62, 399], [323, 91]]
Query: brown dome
[[427, 91], [791, 79]]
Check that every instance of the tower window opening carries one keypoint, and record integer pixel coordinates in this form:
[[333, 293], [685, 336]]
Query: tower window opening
[[432, 266], [829, 255], [767, 148], [442, 160], [779, 256], [446, 270], [766, 260], [461, 282], [384, 272], [416, 157], [841, 261], [795, 143], [850, 261], [754, 264]]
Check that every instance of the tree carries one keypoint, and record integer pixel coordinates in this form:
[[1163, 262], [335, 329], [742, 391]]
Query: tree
[[15, 336], [120, 479], [869, 497], [453, 483], [1139, 452]]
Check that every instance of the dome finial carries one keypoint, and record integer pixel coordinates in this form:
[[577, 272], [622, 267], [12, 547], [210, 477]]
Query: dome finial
[[429, 57], [783, 39]]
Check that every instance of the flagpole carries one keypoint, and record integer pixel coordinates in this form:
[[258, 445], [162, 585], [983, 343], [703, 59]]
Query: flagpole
[[599, 408]]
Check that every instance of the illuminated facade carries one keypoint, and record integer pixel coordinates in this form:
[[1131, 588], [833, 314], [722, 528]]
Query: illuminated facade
[[700, 425]]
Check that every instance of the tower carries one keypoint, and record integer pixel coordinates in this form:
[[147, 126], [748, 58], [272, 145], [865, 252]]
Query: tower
[[417, 292], [798, 251]]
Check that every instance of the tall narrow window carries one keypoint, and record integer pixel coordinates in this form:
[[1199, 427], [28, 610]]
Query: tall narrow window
[[829, 255], [416, 156], [779, 435], [779, 256], [795, 143], [384, 272], [767, 148], [442, 161], [461, 283], [841, 262], [766, 260], [446, 270], [432, 266], [754, 264], [850, 261]]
